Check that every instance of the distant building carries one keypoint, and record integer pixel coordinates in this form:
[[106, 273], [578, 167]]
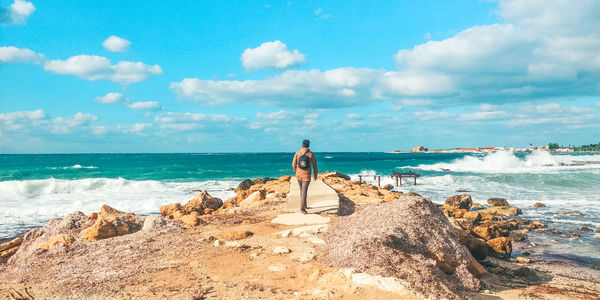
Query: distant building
[[467, 150], [420, 149]]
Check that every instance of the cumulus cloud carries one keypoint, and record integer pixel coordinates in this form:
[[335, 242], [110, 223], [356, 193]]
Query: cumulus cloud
[[92, 67], [136, 128], [66, 125], [271, 55], [11, 54], [353, 116], [539, 50], [432, 115], [116, 44], [110, 98], [144, 105], [17, 12]]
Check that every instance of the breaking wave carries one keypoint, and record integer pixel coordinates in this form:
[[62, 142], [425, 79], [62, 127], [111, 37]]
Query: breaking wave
[[508, 162]]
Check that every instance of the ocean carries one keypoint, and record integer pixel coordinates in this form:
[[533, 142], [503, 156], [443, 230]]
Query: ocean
[[37, 188]]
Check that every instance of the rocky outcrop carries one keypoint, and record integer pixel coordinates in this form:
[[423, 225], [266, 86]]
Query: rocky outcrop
[[505, 211], [189, 213], [61, 239], [111, 222], [358, 192], [459, 202], [497, 202], [539, 204], [501, 247], [409, 239], [255, 199], [200, 203], [9, 248]]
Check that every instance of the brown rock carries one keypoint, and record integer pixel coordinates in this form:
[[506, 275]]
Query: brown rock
[[6, 254], [93, 216], [200, 202], [191, 220], [65, 239], [285, 178], [478, 247], [100, 230], [497, 202], [584, 228], [12, 243], [475, 215], [487, 231], [389, 197], [476, 205], [505, 211], [244, 185], [526, 273], [574, 234], [467, 224], [459, 213], [538, 204], [254, 200], [176, 215], [569, 213], [460, 201], [236, 234], [334, 174], [388, 187], [169, 209], [501, 247], [107, 210]]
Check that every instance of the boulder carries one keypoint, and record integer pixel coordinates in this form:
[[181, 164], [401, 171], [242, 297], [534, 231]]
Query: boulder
[[538, 204], [574, 234], [389, 197], [334, 174], [65, 239], [459, 213], [497, 202], [244, 185], [6, 254], [106, 210], [191, 220], [501, 247], [152, 223], [476, 205], [459, 201], [505, 211], [387, 239], [487, 231], [169, 209], [569, 213], [112, 222], [101, 229], [254, 200], [285, 178], [12, 243], [475, 215], [388, 187], [281, 250], [478, 247], [201, 202]]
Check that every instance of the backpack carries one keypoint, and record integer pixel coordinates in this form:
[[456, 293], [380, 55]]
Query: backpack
[[304, 161]]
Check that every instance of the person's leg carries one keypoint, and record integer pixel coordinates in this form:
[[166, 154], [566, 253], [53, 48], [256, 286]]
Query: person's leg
[[304, 195]]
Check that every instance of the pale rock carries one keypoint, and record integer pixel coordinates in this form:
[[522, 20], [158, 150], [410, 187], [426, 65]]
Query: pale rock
[[152, 223], [217, 243], [311, 229], [316, 240], [281, 250], [277, 268], [255, 199], [388, 284]]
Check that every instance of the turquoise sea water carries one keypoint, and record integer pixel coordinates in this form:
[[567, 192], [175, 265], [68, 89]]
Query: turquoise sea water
[[36, 188]]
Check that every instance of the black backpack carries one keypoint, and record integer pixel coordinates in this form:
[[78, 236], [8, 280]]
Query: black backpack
[[304, 161]]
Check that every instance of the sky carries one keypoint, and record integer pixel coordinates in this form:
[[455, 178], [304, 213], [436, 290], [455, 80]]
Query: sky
[[261, 76]]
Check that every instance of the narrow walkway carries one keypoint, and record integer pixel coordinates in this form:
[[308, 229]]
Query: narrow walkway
[[321, 198]]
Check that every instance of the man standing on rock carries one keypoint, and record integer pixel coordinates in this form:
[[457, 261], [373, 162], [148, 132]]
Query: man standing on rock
[[303, 160]]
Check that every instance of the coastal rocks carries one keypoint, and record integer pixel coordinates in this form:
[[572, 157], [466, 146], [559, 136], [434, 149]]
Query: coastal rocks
[[459, 202], [387, 239], [388, 284], [300, 219], [64, 239], [356, 192], [112, 222], [334, 174], [154, 223], [255, 199], [285, 178], [505, 211], [476, 205], [201, 201], [9, 248], [191, 220], [539, 204], [281, 250], [574, 234], [244, 185], [497, 202], [487, 231], [478, 247], [169, 209], [501, 247], [388, 187], [475, 215], [310, 229]]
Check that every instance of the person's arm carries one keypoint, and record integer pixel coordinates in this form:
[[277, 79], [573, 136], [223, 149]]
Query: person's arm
[[295, 162], [314, 163]]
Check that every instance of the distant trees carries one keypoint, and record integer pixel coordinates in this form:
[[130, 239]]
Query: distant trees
[[553, 146]]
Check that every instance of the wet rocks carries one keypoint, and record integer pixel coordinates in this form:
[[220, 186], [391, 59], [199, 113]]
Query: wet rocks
[[497, 202], [575, 234], [526, 273], [487, 231], [505, 211], [244, 185], [569, 213], [584, 228], [387, 239], [539, 204], [478, 247], [201, 201], [501, 247], [459, 202]]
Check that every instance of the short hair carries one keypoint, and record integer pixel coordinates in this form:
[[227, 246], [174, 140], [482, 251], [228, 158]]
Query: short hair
[[306, 143]]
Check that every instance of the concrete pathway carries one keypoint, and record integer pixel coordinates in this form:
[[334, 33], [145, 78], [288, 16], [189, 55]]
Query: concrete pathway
[[321, 198]]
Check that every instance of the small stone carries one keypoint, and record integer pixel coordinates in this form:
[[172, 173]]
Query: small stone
[[236, 234], [281, 250], [233, 244], [217, 243], [585, 228], [52, 242], [575, 234], [497, 202], [538, 204], [277, 268], [569, 213], [253, 256], [476, 205], [522, 260]]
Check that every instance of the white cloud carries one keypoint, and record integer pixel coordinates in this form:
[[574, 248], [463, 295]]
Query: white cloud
[[92, 67], [319, 13], [66, 125], [432, 115], [99, 130], [110, 98], [116, 44], [11, 54], [17, 12], [136, 128], [488, 107], [144, 105], [271, 55], [482, 115], [173, 117], [353, 116]]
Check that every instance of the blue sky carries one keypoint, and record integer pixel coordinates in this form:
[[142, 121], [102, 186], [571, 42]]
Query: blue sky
[[224, 76]]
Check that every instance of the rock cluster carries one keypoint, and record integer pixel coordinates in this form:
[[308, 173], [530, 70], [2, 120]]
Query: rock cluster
[[110, 222], [257, 192], [409, 239], [189, 213], [361, 193], [9, 248]]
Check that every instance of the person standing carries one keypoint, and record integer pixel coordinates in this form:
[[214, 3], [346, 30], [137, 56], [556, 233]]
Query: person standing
[[303, 161]]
